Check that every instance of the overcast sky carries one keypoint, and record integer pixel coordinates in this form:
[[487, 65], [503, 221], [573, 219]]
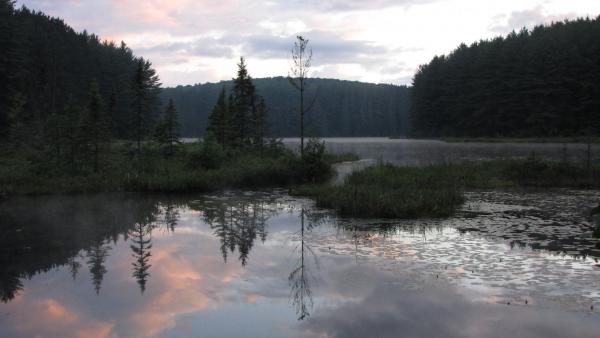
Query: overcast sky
[[382, 41]]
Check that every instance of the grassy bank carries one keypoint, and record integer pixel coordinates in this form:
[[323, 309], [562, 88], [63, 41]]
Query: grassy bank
[[194, 167], [583, 140], [436, 191]]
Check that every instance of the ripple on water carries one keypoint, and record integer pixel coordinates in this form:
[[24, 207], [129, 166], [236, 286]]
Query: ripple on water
[[494, 243]]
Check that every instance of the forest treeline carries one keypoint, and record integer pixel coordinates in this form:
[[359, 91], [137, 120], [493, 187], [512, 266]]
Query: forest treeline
[[78, 114], [66, 94], [50, 74], [540, 82], [339, 108]]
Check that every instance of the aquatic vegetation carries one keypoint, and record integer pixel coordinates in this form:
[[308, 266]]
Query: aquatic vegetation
[[388, 191]]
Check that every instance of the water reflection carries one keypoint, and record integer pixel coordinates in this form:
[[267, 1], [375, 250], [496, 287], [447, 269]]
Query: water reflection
[[141, 237], [38, 238], [73, 262], [237, 222], [300, 277], [96, 256]]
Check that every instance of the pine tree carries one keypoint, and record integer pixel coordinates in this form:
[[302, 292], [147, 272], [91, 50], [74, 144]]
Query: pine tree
[[167, 131], [8, 56], [72, 115], [145, 93], [94, 126], [259, 121], [244, 102], [55, 134], [219, 121]]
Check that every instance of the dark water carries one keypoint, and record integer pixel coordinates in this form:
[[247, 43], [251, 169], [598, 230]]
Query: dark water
[[264, 264]]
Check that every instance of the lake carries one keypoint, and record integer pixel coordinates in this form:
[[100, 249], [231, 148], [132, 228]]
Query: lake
[[265, 264]]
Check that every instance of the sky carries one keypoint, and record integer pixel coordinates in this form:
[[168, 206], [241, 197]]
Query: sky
[[379, 41]]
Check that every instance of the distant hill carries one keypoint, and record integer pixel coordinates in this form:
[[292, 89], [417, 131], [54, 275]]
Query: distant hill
[[341, 108], [543, 82]]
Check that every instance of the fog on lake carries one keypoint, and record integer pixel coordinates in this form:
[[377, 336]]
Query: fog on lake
[[265, 264]]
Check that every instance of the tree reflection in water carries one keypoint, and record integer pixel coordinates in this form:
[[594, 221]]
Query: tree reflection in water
[[171, 217], [74, 266], [141, 236], [302, 275], [40, 234], [238, 222], [96, 257]]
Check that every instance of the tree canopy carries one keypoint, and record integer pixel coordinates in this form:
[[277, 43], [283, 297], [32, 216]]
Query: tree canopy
[[46, 66], [341, 108], [539, 82]]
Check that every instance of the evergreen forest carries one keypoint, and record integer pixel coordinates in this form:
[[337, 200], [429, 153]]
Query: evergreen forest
[[338, 108], [543, 82]]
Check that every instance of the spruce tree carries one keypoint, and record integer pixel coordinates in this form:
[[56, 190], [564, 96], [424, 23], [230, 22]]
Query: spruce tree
[[145, 89], [94, 127], [259, 123], [72, 115], [219, 121], [167, 132], [55, 134], [244, 102]]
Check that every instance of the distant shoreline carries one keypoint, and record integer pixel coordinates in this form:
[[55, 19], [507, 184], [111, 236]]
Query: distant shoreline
[[555, 140], [578, 140]]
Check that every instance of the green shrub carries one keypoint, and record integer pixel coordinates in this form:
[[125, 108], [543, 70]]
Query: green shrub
[[314, 164], [210, 154]]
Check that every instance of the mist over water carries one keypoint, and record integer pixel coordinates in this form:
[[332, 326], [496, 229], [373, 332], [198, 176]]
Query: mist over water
[[424, 152], [264, 264]]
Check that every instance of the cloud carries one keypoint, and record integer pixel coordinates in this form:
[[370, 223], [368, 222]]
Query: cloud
[[57, 318], [353, 5], [390, 312], [328, 47], [529, 18], [190, 40], [203, 46]]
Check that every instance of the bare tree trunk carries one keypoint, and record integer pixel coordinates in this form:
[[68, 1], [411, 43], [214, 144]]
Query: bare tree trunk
[[589, 156], [301, 117], [96, 150]]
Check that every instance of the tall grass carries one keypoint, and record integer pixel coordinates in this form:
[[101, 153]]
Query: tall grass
[[193, 168], [388, 191]]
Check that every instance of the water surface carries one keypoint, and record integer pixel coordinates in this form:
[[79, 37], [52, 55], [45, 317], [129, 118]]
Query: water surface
[[264, 264], [423, 152]]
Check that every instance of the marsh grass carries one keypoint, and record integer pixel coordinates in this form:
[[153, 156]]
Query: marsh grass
[[193, 168], [388, 191]]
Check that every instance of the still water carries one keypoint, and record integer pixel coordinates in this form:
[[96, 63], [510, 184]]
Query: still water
[[264, 264], [423, 152]]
